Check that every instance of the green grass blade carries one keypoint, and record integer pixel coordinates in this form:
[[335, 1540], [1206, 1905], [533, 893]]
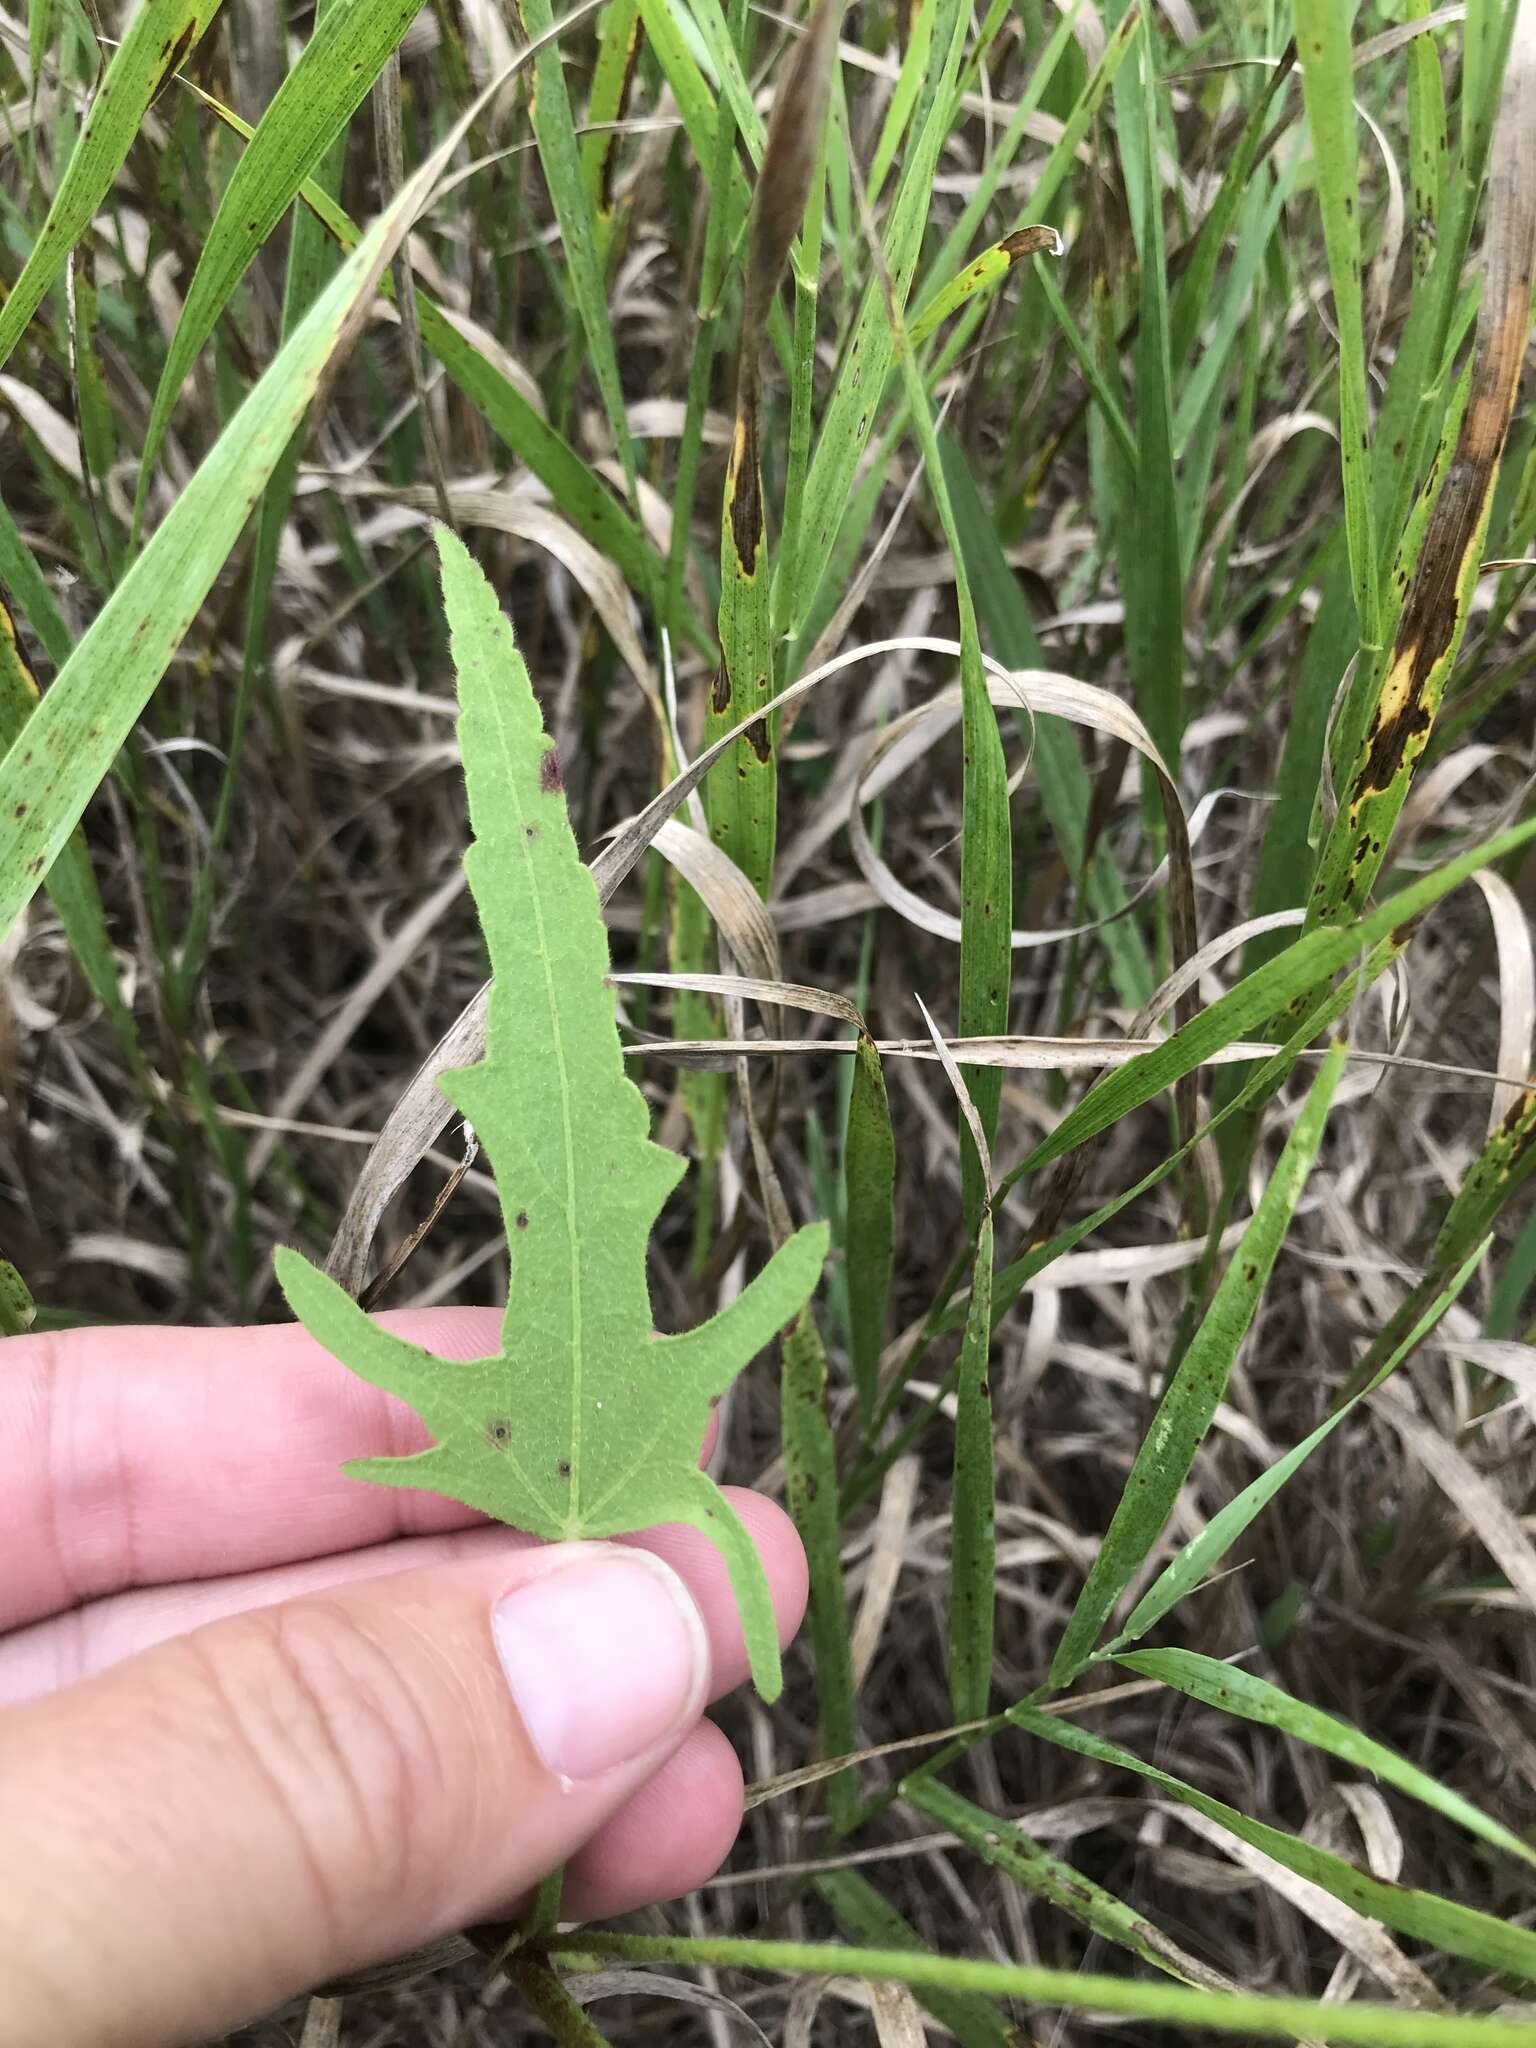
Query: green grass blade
[[743, 790], [1363, 2022], [1058, 165], [1011, 1280], [1327, 76], [71, 881], [973, 1534], [333, 75], [869, 1180], [1194, 1390], [159, 37], [25, 581], [951, 256], [1427, 148], [1204, 1552], [1065, 790], [1191, 296], [1150, 563], [47, 777], [986, 273], [618, 48], [734, 95], [1443, 1923], [582, 495], [1241, 1692], [810, 1475], [1261, 995], [903, 101], [555, 133], [871, 347], [312, 260], [986, 854], [1005, 1845], [1440, 563], [1505, 1162]]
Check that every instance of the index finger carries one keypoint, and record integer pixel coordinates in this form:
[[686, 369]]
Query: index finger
[[135, 1457]]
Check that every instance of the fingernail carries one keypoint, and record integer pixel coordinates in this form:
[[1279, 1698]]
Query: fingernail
[[605, 1654]]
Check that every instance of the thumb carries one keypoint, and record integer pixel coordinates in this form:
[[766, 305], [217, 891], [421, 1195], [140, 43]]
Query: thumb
[[276, 1798]]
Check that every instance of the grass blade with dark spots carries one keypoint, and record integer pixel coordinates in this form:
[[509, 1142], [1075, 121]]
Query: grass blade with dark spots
[[1006, 1846], [1442, 570], [869, 1178], [810, 1476], [1322, 42], [1443, 1923], [742, 791]]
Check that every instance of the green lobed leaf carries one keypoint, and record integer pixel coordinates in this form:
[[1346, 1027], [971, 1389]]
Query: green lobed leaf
[[585, 1423]]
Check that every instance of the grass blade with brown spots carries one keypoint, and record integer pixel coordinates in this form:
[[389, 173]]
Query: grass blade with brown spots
[[1006, 1846], [869, 1179], [1456, 505], [810, 1485]]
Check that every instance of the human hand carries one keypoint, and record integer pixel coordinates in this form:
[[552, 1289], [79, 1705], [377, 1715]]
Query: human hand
[[261, 1725]]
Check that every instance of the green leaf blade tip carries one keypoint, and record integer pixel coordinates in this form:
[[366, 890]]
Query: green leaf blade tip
[[586, 1423]]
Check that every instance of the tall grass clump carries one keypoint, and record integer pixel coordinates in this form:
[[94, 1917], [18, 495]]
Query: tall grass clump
[[1022, 523]]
